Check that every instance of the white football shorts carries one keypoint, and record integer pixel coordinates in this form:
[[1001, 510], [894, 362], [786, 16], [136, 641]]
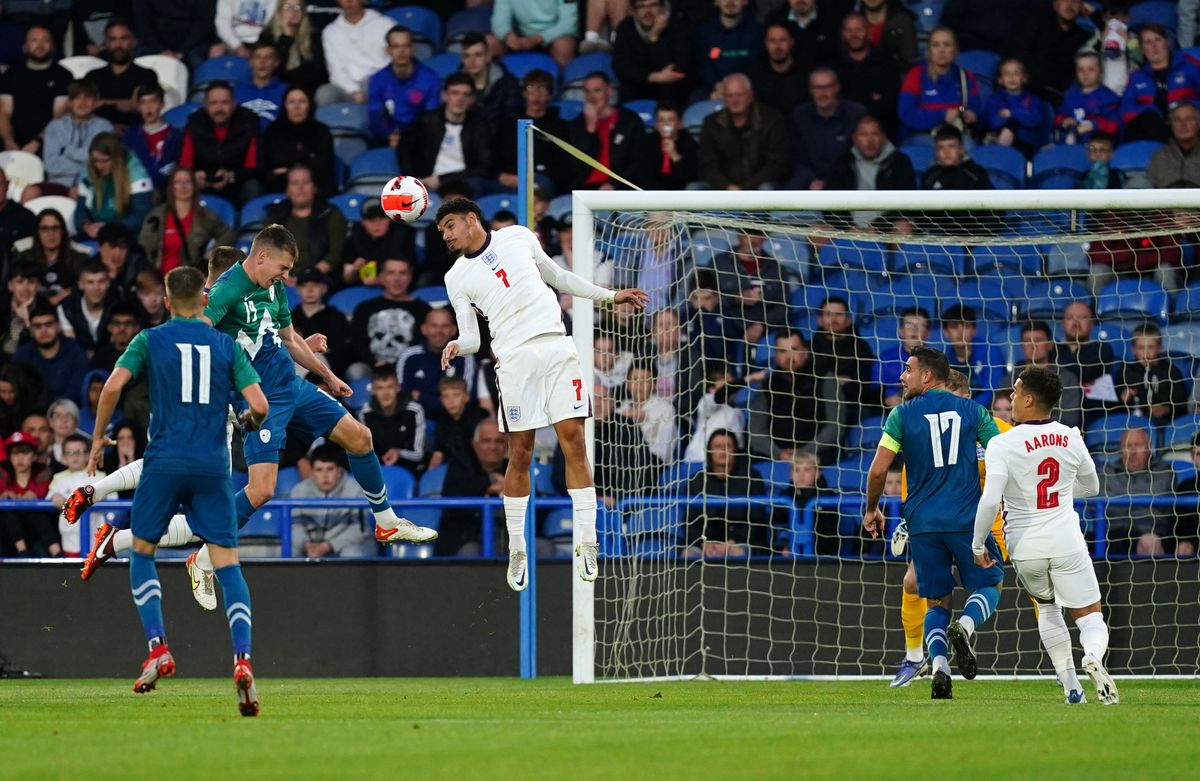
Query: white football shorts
[[1068, 580], [540, 384]]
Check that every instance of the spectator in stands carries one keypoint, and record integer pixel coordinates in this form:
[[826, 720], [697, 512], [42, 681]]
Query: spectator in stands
[[714, 412], [37, 426], [398, 93], [69, 137], [952, 169], [537, 89], [298, 46], [1135, 527], [751, 281], [311, 316], [178, 232], [872, 163], [32, 93], [814, 25], [805, 484], [839, 352], [1100, 175], [119, 80], [296, 137], [624, 464], [1037, 348], [382, 328], [419, 366], [84, 315], [779, 79], [498, 93], [239, 23], [821, 130], [52, 253], [115, 188], [719, 529], [979, 362], [60, 360], [744, 146], [911, 332], [1164, 80], [652, 53], [533, 25], [15, 403], [262, 93], [374, 238], [454, 426], [938, 91], [221, 146], [609, 366], [866, 74], [131, 444], [992, 26], [122, 264], [319, 227], [1088, 359], [22, 298], [726, 44], [1014, 114], [1048, 43], [16, 222], [1151, 385], [611, 134], [653, 414], [666, 346], [357, 44], [459, 533], [76, 449], [155, 143], [63, 415], [175, 29], [891, 28], [1187, 521], [1088, 106], [150, 292], [1001, 406], [396, 422], [122, 326], [796, 408], [674, 157], [25, 532], [330, 531], [1177, 162], [452, 141]]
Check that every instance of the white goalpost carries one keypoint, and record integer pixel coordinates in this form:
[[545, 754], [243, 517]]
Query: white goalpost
[[719, 560]]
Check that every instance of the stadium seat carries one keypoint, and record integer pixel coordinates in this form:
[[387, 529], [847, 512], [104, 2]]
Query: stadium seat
[[1187, 302], [568, 109], [792, 252], [901, 292], [850, 474], [520, 63], [981, 62], [1162, 13], [921, 156], [82, 65], [360, 393], [1182, 432], [263, 523], [1067, 259], [1182, 339], [60, 203], [1045, 299], [676, 476], [560, 207], [695, 114], [444, 64], [227, 68], [221, 207], [1005, 165], [426, 28], [930, 258], [928, 13], [346, 116], [287, 479], [1134, 158], [707, 244], [880, 333], [1115, 335], [22, 170], [986, 295], [559, 523], [433, 480], [776, 474], [1133, 298], [1006, 259], [1103, 435], [644, 109], [434, 295], [1057, 167], [347, 299], [869, 256], [372, 169], [172, 77], [543, 479], [866, 435], [398, 481], [350, 204], [254, 213], [578, 69], [469, 20], [490, 204], [178, 116]]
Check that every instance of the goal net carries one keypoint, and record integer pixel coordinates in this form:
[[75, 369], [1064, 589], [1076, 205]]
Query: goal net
[[735, 421]]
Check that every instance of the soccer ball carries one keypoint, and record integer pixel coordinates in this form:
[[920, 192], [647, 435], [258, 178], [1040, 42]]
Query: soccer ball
[[404, 199]]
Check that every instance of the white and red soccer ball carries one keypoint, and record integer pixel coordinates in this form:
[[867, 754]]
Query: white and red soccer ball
[[404, 199]]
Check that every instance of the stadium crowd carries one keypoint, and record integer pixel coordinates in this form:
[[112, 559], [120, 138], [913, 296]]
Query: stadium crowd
[[749, 376]]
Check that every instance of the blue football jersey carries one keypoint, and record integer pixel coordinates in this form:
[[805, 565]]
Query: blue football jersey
[[191, 369], [939, 433]]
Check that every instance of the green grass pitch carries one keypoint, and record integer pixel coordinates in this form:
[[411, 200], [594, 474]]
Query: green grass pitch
[[548, 729]]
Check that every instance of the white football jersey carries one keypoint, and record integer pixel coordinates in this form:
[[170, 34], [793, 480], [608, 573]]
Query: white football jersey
[[1039, 463]]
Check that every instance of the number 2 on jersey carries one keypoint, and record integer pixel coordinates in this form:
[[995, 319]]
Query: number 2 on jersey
[[502, 275], [186, 371], [938, 423], [1045, 499]]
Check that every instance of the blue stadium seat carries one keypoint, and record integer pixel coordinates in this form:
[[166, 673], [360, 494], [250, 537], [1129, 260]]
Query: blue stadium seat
[[981, 62], [426, 28], [854, 254], [345, 117], [676, 476], [610, 532], [695, 114], [921, 156], [520, 63], [1182, 432], [288, 478], [850, 474], [228, 68], [373, 168], [1115, 335], [221, 207], [1067, 259], [1006, 259], [560, 207], [434, 295], [1005, 165], [360, 394], [178, 116], [1103, 435], [433, 480], [568, 109], [559, 523], [791, 252], [776, 474], [347, 299], [350, 204], [986, 295], [1182, 339], [644, 109], [866, 435], [930, 258], [398, 481], [1133, 298], [901, 292], [1057, 167], [293, 297], [254, 213], [263, 523], [578, 69], [928, 13], [1187, 303], [490, 204], [468, 20], [1045, 299], [1134, 157], [1162, 13], [709, 243], [444, 64], [543, 479]]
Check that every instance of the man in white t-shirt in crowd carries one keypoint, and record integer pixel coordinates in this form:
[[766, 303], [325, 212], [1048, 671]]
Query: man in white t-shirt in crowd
[[355, 46], [509, 278], [1038, 468]]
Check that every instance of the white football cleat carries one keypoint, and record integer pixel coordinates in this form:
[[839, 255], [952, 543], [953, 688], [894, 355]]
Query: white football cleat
[[518, 570], [585, 561], [202, 583], [1106, 690], [405, 531], [900, 539]]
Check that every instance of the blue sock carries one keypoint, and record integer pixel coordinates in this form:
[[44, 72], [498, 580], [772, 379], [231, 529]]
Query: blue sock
[[147, 596], [980, 606], [937, 619], [369, 474], [242, 508], [236, 595]]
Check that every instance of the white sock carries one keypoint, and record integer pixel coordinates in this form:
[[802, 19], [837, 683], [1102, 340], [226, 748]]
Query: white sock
[[515, 510], [968, 624], [387, 519], [122, 541], [583, 508], [915, 654], [203, 561], [941, 663], [1057, 641], [591, 35], [124, 479], [179, 533], [1093, 635]]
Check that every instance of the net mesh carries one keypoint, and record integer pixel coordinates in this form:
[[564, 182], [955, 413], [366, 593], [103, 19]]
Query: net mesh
[[736, 420]]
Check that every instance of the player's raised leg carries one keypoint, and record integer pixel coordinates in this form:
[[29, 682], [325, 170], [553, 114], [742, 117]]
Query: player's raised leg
[[912, 617], [984, 585], [111, 540], [124, 479], [516, 505]]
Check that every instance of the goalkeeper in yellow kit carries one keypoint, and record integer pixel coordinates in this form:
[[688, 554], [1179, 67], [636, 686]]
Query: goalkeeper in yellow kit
[[912, 606]]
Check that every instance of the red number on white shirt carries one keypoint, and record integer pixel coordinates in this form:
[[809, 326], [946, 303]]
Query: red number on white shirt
[[578, 389], [502, 275], [1045, 499]]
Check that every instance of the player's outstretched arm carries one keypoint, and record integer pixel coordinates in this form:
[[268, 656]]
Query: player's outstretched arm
[[303, 355], [110, 394], [873, 520]]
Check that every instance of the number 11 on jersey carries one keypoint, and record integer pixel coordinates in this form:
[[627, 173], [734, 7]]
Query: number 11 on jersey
[[186, 371]]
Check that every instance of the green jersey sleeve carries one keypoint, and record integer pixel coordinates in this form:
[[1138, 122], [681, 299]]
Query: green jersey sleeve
[[243, 373], [135, 356], [892, 435], [231, 288], [283, 315], [987, 427]]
